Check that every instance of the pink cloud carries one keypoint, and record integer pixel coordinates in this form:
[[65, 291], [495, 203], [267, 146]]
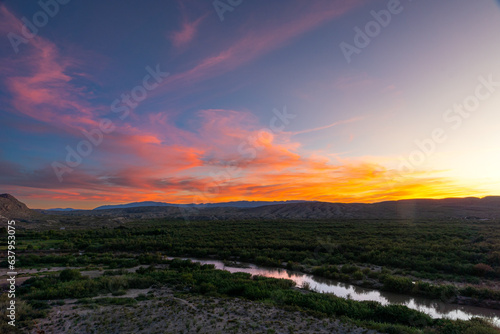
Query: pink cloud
[[142, 166], [187, 33], [39, 83], [261, 37]]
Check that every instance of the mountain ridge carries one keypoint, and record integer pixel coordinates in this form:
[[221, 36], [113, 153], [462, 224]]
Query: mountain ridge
[[450, 208], [461, 208], [236, 204]]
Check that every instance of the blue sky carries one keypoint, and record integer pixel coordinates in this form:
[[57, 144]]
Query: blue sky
[[204, 134]]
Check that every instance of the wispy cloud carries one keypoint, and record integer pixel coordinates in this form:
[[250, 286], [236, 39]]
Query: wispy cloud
[[39, 83], [350, 120], [259, 38], [181, 38], [145, 167]]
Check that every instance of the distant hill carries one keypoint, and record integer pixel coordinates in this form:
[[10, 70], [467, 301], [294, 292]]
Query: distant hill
[[444, 209], [59, 209], [10, 207], [462, 208], [236, 204]]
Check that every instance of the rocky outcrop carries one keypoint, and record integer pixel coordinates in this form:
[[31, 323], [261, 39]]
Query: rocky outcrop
[[10, 207]]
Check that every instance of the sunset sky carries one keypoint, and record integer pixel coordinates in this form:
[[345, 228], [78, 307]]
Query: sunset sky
[[105, 102]]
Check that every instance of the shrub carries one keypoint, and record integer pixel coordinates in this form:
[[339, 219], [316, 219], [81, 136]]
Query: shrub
[[119, 293], [70, 275], [482, 269], [115, 272], [141, 297], [348, 269], [473, 326], [398, 284], [357, 275], [207, 288]]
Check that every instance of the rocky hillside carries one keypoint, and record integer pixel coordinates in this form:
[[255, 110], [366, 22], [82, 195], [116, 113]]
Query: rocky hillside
[[456, 208], [10, 207]]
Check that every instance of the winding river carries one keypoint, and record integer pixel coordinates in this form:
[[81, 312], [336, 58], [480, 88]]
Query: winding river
[[434, 308]]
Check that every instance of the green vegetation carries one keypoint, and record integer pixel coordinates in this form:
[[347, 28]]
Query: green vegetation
[[452, 250], [26, 311], [390, 255], [456, 251], [193, 278]]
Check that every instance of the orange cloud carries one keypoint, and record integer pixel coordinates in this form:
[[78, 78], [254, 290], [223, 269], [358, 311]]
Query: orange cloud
[[212, 170]]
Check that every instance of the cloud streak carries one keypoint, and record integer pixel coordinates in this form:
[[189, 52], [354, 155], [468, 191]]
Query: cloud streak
[[350, 120], [40, 85], [259, 38], [189, 29], [182, 174]]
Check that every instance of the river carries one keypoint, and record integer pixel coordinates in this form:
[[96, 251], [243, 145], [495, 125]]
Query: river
[[434, 308]]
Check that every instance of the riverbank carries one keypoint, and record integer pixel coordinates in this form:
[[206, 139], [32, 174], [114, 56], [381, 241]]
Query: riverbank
[[162, 311], [436, 308], [118, 292]]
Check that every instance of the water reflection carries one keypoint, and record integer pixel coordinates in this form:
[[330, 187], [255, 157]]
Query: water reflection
[[434, 308]]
